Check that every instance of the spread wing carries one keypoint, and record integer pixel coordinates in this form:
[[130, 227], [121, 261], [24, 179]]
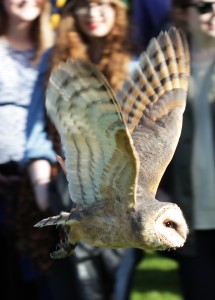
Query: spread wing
[[153, 100], [100, 160]]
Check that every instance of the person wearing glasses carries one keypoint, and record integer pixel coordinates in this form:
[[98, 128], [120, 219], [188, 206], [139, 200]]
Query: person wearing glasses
[[98, 32], [190, 177]]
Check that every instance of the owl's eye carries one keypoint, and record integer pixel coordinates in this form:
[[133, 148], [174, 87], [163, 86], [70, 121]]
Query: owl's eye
[[170, 224]]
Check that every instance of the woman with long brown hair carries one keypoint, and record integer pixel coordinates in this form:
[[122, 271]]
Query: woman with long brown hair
[[109, 47]]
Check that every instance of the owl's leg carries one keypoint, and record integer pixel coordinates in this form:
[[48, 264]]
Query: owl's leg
[[64, 248]]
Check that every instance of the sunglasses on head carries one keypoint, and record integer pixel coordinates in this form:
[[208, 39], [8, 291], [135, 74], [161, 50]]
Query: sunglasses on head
[[202, 7]]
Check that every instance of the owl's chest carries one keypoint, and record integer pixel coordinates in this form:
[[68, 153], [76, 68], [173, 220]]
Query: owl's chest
[[113, 230]]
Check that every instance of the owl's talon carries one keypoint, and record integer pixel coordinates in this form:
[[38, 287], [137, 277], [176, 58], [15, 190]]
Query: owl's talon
[[63, 249]]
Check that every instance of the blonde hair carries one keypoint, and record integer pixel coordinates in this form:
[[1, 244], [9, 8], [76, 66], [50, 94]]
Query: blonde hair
[[40, 33], [70, 42]]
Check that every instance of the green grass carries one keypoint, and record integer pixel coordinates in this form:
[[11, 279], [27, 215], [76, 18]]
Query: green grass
[[156, 278]]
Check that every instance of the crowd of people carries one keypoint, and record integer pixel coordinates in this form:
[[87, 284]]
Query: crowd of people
[[111, 34]]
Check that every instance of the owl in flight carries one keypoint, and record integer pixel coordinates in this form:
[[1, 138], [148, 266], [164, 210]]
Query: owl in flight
[[117, 149]]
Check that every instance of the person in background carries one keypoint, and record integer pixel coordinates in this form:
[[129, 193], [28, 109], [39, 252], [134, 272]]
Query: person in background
[[98, 32], [190, 178], [149, 17], [24, 36]]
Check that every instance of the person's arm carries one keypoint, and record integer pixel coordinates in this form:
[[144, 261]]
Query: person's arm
[[38, 143], [39, 153]]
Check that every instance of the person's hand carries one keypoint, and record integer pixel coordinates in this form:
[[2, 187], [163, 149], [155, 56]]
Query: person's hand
[[42, 195], [40, 173]]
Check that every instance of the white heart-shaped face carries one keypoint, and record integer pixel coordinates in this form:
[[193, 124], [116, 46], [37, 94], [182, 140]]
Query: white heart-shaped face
[[171, 228]]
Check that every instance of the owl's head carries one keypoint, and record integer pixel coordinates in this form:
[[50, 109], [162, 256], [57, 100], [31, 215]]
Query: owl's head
[[164, 227]]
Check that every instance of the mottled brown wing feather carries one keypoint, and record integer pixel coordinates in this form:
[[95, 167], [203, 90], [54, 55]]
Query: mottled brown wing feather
[[153, 100], [100, 160]]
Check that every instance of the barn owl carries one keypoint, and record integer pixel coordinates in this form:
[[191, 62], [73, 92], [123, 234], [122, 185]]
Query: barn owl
[[117, 148]]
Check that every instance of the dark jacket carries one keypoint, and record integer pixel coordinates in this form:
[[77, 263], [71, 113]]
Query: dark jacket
[[177, 180]]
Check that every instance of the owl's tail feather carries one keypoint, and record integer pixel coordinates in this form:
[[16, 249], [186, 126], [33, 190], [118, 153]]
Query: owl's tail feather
[[63, 218]]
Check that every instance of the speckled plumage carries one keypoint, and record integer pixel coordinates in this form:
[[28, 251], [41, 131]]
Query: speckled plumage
[[117, 148]]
